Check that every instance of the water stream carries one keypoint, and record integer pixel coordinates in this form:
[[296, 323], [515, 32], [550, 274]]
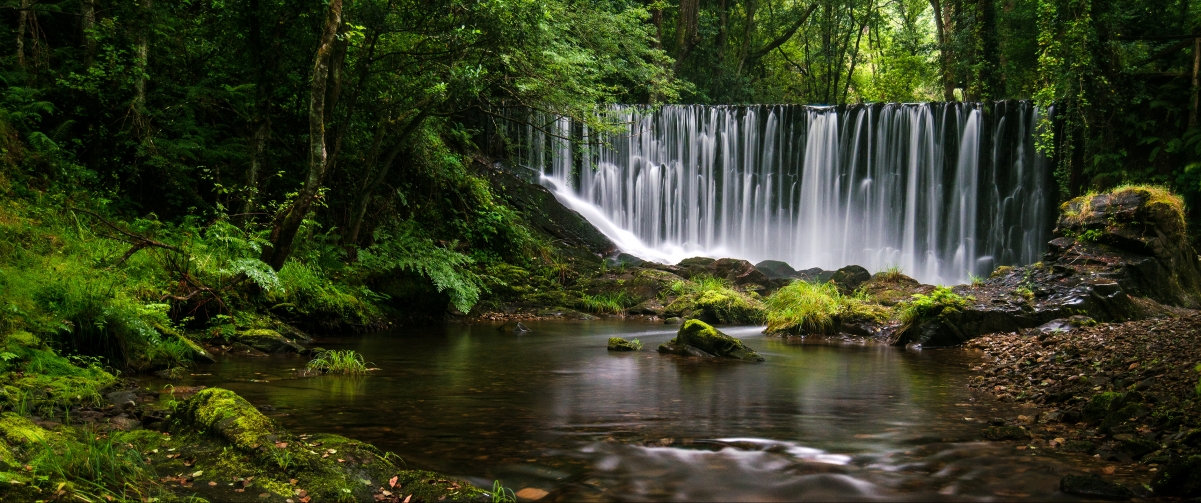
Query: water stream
[[942, 190], [554, 410]]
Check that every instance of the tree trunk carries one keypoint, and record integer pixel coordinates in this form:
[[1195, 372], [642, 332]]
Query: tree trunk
[[724, 17], [287, 222], [988, 87], [22, 20], [944, 51], [87, 21], [261, 122], [381, 175], [1192, 116], [747, 32], [686, 36], [142, 61]]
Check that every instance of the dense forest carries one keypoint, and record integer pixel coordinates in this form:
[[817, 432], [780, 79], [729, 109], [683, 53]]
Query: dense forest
[[174, 173]]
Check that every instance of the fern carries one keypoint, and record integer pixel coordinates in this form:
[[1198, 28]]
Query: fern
[[404, 247], [258, 272]]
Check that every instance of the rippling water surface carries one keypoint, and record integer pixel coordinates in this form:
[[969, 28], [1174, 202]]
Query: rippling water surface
[[552, 409]]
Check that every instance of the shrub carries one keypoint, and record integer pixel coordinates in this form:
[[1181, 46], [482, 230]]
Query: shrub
[[816, 308]]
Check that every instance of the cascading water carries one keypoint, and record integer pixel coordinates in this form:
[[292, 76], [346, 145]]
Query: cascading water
[[941, 190]]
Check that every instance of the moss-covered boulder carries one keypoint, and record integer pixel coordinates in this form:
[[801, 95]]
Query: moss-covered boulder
[[219, 436], [268, 341], [619, 344], [1134, 235], [698, 335]]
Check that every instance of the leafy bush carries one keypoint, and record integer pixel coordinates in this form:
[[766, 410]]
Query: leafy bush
[[403, 247]]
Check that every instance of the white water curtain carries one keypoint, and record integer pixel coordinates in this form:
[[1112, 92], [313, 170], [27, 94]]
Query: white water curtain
[[941, 190]]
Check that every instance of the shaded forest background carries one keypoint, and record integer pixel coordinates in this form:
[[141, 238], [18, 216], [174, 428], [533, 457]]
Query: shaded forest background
[[297, 151]]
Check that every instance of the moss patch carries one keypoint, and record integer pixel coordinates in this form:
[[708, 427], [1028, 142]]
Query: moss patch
[[701, 335]]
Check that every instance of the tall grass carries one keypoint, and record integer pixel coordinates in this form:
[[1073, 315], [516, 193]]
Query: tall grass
[[99, 467], [892, 273], [715, 299], [803, 307], [609, 302], [339, 362]]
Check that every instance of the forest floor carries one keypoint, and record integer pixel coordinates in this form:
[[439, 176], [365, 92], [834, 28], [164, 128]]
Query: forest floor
[[1124, 392]]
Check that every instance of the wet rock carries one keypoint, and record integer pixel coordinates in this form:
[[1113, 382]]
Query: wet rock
[[173, 373], [1093, 486], [1136, 448], [775, 269], [850, 277], [1135, 236], [514, 327], [545, 213], [125, 423], [120, 398], [698, 335], [696, 263], [619, 344], [1181, 477], [1080, 446], [997, 433], [622, 259], [267, 341], [239, 349], [649, 307], [674, 320]]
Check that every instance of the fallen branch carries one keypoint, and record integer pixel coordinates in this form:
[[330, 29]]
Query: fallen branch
[[138, 241]]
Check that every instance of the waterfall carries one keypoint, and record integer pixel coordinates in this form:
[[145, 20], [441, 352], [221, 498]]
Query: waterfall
[[943, 191]]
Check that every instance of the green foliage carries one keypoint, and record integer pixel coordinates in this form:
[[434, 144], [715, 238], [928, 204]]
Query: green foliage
[[404, 248], [891, 273], [339, 362], [941, 301], [802, 307], [976, 281]]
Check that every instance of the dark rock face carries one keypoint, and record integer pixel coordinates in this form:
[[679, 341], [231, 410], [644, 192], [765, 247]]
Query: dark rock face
[[775, 269], [736, 271], [850, 277], [623, 259], [540, 208], [697, 338], [1135, 237], [1093, 486]]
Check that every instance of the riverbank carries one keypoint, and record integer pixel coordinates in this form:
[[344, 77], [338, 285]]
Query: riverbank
[[1123, 392]]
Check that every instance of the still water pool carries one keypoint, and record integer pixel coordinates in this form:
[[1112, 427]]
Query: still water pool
[[553, 410]]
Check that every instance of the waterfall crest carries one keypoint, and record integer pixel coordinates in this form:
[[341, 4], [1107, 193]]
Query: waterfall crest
[[943, 191]]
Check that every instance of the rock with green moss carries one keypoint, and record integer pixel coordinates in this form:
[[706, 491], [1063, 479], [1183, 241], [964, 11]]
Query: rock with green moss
[[222, 437], [697, 338], [997, 433], [268, 341], [619, 344]]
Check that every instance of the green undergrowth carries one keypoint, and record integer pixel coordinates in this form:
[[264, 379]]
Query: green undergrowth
[[714, 300], [616, 302], [802, 307]]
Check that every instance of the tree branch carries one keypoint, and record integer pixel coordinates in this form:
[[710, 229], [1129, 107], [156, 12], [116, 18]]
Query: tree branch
[[787, 34]]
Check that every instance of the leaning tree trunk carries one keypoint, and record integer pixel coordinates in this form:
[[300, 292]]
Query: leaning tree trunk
[[288, 221]]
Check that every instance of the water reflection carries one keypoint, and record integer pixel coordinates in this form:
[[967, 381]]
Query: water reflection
[[553, 409]]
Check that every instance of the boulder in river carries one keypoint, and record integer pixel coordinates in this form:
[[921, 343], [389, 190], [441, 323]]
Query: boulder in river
[[775, 269], [267, 341], [1093, 486], [619, 344], [697, 338], [514, 327]]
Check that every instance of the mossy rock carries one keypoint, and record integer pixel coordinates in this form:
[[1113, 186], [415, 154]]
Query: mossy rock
[[18, 430], [267, 341], [1181, 477], [997, 433], [1093, 486], [619, 344], [1099, 405], [223, 413], [21, 338], [702, 336]]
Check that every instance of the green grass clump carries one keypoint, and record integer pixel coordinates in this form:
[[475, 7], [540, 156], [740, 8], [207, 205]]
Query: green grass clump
[[98, 467], [608, 302], [891, 274], [339, 362], [804, 307], [941, 301]]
